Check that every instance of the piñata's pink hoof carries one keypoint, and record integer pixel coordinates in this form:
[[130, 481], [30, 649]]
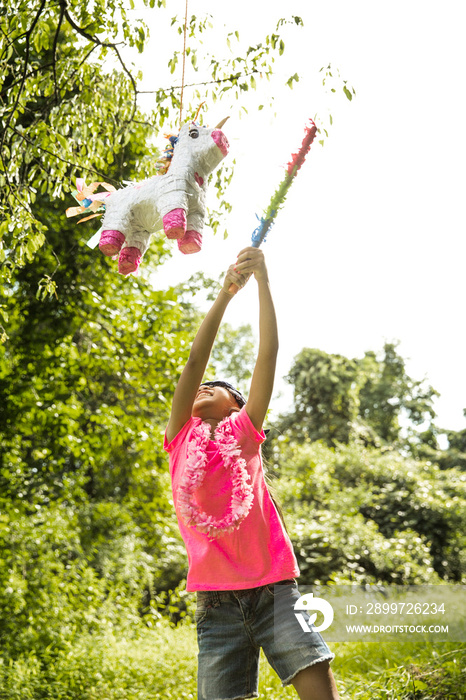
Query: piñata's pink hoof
[[129, 260], [174, 223], [191, 242], [110, 242]]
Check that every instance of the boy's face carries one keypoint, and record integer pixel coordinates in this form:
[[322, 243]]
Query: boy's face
[[213, 402]]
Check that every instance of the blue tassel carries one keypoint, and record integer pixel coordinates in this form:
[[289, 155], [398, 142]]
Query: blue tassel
[[258, 236]]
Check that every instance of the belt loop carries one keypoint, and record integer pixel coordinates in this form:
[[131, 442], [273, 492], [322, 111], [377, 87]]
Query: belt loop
[[215, 599]]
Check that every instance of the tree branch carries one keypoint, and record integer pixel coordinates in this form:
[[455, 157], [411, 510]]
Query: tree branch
[[63, 160], [23, 79], [93, 48], [231, 77], [108, 45], [28, 75], [54, 52]]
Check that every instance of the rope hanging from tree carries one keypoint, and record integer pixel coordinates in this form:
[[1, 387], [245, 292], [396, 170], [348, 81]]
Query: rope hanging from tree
[[184, 62]]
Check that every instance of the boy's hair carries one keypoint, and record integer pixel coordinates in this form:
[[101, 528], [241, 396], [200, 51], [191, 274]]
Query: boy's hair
[[237, 395]]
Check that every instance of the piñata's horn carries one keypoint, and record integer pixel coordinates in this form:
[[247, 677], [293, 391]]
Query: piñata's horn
[[220, 124]]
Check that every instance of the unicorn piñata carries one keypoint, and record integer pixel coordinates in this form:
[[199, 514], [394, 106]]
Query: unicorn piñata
[[174, 201]]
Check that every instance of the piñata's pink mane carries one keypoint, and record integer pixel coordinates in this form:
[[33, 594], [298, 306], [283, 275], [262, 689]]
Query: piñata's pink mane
[[163, 163]]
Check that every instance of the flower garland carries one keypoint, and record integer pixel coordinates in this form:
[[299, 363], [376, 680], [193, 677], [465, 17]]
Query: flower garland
[[242, 493]]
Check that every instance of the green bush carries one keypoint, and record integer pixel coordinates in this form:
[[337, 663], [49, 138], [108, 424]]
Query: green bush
[[49, 592], [332, 546], [371, 514], [113, 546], [47, 589]]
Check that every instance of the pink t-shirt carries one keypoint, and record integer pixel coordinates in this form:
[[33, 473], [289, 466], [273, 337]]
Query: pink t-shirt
[[259, 551]]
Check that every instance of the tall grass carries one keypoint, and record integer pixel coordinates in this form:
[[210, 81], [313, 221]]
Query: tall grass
[[160, 664]]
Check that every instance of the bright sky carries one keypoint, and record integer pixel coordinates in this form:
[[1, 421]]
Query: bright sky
[[371, 244]]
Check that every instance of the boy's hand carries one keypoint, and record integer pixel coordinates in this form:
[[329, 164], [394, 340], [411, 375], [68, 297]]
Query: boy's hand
[[251, 260], [234, 281]]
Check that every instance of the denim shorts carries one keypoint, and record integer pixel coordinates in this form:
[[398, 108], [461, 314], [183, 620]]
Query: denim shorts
[[232, 627]]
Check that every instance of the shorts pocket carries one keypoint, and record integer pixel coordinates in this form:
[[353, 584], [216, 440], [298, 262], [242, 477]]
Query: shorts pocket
[[270, 587], [202, 610], [200, 616]]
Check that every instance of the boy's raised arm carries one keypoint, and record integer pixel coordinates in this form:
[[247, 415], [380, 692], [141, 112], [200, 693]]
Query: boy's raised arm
[[251, 260], [194, 370]]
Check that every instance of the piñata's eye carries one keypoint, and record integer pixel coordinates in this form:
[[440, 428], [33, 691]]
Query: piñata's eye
[[194, 133]]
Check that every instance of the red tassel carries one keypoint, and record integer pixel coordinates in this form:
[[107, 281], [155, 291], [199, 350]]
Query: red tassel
[[298, 158]]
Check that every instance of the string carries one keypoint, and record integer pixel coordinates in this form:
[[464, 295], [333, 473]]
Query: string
[[184, 62], [198, 110]]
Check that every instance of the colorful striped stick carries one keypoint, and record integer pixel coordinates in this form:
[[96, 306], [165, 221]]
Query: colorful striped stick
[[297, 159]]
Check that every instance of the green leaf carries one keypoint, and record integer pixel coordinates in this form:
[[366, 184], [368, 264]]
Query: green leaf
[[347, 93], [62, 141], [4, 313], [419, 685], [291, 79]]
